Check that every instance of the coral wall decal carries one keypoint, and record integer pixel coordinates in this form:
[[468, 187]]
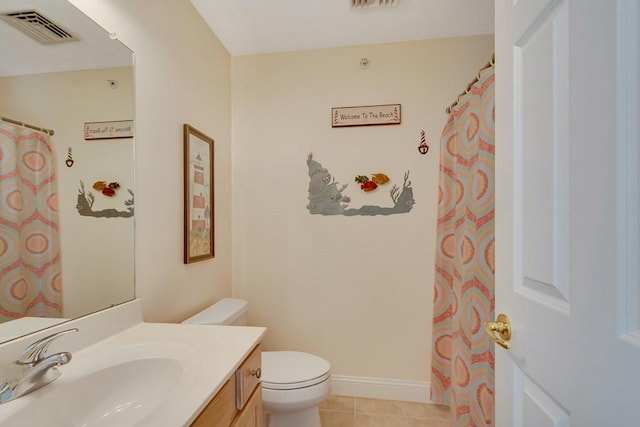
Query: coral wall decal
[[326, 196]]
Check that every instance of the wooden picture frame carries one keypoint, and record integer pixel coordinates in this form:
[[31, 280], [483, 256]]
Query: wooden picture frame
[[198, 196]]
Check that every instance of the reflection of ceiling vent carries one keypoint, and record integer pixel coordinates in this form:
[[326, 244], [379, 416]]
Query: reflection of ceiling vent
[[366, 3], [38, 27]]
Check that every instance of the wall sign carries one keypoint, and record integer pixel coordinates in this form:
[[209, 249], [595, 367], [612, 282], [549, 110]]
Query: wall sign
[[108, 130], [388, 114]]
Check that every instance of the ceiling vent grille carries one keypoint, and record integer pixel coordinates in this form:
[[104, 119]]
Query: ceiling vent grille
[[369, 3], [38, 27]]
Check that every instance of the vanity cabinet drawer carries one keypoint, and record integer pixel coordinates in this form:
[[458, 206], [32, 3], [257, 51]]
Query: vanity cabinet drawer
[[221, 410], [251, 415], [248, 376], [239, 402]]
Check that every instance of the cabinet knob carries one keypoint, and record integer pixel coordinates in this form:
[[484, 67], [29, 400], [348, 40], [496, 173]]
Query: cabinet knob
[[256, 373]]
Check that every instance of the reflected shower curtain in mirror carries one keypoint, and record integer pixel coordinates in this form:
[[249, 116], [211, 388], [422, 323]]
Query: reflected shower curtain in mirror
[[462, 367], [30, 266]]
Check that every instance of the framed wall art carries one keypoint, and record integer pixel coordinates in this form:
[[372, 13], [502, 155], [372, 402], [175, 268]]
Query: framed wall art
[[198, 196]]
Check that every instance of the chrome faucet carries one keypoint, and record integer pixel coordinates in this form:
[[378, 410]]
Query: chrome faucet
[[34, 368]]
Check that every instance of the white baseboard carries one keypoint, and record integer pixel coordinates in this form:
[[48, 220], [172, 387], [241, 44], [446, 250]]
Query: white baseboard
[[380, 388]]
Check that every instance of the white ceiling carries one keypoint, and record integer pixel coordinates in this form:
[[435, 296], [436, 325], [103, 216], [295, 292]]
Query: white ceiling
[[248, 27], [22, 55], [263, 26]]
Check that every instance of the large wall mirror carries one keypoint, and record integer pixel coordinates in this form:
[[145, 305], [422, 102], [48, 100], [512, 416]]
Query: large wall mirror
[[61, 71]]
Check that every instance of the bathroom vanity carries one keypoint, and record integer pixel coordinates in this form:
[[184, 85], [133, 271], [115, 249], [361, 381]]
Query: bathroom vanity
[[239, 402], [126, 372]]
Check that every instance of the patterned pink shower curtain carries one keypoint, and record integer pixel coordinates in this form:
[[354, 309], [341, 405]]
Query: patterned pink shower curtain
[[462, 368], [30, 268]]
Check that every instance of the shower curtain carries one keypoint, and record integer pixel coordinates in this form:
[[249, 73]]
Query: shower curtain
[[462, 369], [30, 267]]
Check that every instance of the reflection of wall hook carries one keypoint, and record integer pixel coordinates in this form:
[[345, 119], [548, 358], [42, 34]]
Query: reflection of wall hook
[[364, 63], [423, 148], [69, 161]]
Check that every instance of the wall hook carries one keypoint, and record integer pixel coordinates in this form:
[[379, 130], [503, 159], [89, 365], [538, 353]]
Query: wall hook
[[69, 161], [423, 148], [364, 63]]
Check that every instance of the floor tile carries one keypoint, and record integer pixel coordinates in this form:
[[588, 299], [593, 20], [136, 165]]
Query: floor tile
[[345, 411], [378, 406], [337, 419], [425, 410], [339, 403], [380, 420], [427, 422]]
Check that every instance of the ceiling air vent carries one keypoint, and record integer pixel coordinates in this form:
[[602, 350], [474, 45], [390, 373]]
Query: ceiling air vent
[[38, 27], [367, 3]]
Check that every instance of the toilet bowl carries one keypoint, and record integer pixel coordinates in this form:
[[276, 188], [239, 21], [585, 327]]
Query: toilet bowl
[[293, 383]]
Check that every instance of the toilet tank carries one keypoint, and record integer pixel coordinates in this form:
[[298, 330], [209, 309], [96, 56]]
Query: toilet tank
[[227, 311]]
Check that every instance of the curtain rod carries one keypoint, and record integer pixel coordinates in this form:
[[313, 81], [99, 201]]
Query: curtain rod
[[27, 125], [491, 62]]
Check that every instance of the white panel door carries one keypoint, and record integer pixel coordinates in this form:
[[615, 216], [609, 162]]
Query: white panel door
[[567, 212]]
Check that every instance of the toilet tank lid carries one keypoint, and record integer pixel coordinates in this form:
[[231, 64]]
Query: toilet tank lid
[[224, 312]]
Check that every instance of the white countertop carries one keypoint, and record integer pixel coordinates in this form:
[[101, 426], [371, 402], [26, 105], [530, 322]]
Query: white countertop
[[220, 350], [214, 353], [26, 325]]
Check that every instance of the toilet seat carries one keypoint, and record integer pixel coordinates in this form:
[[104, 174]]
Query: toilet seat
[[289, 370]]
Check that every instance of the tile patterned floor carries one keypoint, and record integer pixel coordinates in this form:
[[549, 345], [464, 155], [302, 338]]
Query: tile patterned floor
[[341, 411]]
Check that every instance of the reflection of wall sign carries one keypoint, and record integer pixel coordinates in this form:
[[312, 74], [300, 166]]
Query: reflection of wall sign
[[389, 114], [108, 130]]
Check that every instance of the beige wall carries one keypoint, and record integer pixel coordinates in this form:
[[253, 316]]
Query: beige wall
[[182, 75], [97, 253], [356, 290]]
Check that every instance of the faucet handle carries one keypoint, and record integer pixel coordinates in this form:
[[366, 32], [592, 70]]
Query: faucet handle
[[37, 350]]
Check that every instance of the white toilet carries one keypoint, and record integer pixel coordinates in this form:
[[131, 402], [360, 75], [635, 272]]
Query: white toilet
[[293, 383]]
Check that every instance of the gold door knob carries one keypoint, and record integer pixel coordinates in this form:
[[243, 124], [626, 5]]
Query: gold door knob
[[500, 330]]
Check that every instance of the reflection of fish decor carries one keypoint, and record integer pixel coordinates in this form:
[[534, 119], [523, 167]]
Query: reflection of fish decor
[[326, 198], [85, 202], [106, 189]]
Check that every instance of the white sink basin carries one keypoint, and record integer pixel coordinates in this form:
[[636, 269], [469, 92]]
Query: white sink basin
[[140, 374], [121, 388]]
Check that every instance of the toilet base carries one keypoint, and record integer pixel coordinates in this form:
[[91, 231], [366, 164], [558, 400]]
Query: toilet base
[[309, 417]]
